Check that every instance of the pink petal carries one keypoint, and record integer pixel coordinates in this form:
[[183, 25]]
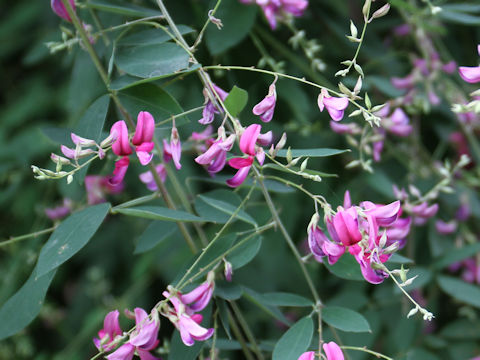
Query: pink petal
[[145, 355], [347, 201], [218, 164], [333, 351], [309, 355], [59, 9], [111, 324], [239, 163], [333, 251], [121, 167], [124, 352], [121, 145], [265, 139], [470, 74], [239, 177], [143, 152], [145, 128], [69, 153], [249, 138]]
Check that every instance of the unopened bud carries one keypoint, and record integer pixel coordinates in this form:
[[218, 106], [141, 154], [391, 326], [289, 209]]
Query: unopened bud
[[412, 312], [69, 179], [228, 270], [380, 12]]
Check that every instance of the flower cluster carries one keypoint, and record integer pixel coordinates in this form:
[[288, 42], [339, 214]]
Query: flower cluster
[[371, 233], [279, 10]]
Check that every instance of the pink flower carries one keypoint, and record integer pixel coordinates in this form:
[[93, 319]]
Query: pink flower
[[423, 212], [266, 107], [470, 74], [204, 135], [59, 9], [402, 30], [309, 355], [121, 167], [121, 145], [343, 227], [335, 105], [445, 228], [59, 212], [333, 351], [398, 123], [406, 82], [275, 10], [320, 245], [248, 144], [216, 155], [183, 314], [111, 329], [142, 139], [173, 150], [350, 128], [148, 179], [209, 111], [98, 186], [142, 340], [228, 270]]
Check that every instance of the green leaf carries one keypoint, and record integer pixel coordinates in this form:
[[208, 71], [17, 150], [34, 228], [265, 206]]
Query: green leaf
[[237, 19], [90, 125], [227, 208], [223, 313], [25, 304], [236, 100], [153, 235], [259, 300], [57, 135], [460, 290], [245, 253], [295, 341], [346, 268], [227, 290], [148, 61], [286, 299], [345, 319], [159, 213], [312, 152], [459, 17], [70, 237], [151, 36], [461, 329], [151, 98], [271, 185], [127, 81], [399, 259], [123, 8], [456, 255]]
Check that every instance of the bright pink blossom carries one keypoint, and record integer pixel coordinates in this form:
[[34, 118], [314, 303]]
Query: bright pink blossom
[[121, 145], [173, 150], [148, 179], [142, 139], [59, 9], [335, 105], [121, 167], [277, 10], [111, 329], [142, 340], [309, 355], [333, 351], [266, 107], [470, 74]]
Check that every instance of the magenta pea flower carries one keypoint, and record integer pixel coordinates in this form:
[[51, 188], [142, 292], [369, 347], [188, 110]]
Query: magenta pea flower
[[98, 186], [148, 179], [423, 212], [173, 150], [121, 167], [446, 228], [248, 145], [343, 227], [309, 355], [333, 351], [228, 270], [335, 105], [320, 245], [142, 139], [121, 145], [59, 212], [398, 123], [204, 135], [350, 128], [216, 155], [142, 340], [266, 107], [107, 335], [470, 74], [209, 111], [406, 82], [59, 9]]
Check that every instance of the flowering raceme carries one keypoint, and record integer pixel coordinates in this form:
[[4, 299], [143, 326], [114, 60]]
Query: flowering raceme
[[358, 229]]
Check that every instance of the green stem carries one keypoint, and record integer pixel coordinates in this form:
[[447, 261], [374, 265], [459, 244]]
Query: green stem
[[354, 60], [239, 336], [137, 201], [246, 329], [364, 349], [200, 35], [27, 236]]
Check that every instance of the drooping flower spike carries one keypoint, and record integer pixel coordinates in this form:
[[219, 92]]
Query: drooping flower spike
[[334, 105], [59, 9], [470, 74], [266, 107]]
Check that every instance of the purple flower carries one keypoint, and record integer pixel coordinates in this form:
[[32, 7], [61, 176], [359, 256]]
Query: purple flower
[[111, 329], [98, 186], [142, 340], [148, 179], [266, 107], [209, 111], [335, 105], [470, 74], [59, 212], [59, 9], [216, 155], [446, 228]]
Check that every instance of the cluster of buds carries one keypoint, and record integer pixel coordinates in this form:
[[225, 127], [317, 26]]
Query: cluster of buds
[[276, 11], [83, 148]]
